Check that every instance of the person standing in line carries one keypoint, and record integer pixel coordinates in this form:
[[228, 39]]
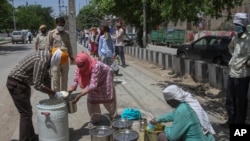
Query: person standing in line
[[32, 70], [96, 80], [189, 120], [119, 45], [239, 72], [42, 41], [106, 49], [59, 38], [93, 36], [86, 43]]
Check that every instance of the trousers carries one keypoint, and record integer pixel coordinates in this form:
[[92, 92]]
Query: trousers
[[120, 51], [20, 93], [60, 77], [236, 99]]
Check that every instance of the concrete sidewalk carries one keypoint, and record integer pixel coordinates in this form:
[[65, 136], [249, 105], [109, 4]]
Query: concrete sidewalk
[[135, 87]]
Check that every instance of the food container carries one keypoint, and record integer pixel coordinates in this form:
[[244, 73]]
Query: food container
[[151, 135], [101, 133], [125, 135], [143, 124], [119, 124], [72, 107]]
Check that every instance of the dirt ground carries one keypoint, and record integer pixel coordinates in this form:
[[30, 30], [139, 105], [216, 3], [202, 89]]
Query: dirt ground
[[202, 91]]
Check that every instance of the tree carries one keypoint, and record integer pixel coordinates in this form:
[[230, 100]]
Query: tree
[[131, 12], [187, 10], [6, 17], [32, 16], [89, 16], [163, 10]]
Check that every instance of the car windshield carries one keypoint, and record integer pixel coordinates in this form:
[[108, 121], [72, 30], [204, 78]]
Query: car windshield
[[16, 33]]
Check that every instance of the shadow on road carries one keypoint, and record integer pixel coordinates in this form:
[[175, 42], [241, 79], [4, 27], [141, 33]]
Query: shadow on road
[[76, 135], [10, 49]]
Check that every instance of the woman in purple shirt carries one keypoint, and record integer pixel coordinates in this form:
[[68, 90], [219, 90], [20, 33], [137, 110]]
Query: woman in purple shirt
[[96, 80]]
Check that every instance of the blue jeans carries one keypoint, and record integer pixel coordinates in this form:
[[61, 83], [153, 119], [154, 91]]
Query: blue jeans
[[236, 99], [120, 51]]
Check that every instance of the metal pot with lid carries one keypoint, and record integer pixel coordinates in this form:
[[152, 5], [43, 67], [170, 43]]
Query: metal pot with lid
[[122, 124], [101, 133], [125, 135]]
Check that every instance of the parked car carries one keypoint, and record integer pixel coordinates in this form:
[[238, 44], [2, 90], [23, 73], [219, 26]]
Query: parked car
[[127, 41], [18, 36], [212, 49], [132, 36]]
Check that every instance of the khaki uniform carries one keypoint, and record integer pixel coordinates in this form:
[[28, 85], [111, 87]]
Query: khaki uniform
[[60, 73], [42, 42]]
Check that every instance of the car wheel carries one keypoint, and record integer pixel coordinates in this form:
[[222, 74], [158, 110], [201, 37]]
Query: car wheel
[[218, 61]]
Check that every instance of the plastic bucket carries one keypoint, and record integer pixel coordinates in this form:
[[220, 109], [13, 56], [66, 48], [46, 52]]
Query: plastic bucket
[[52, 118]]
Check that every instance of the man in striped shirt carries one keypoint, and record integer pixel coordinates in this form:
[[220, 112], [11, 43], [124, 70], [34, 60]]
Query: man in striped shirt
[[33, 70]]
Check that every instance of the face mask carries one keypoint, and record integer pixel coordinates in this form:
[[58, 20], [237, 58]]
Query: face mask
[[43, 31], [238, 29], [60, 28]]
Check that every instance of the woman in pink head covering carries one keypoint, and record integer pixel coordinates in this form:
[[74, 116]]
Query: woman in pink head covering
[[96, 80]]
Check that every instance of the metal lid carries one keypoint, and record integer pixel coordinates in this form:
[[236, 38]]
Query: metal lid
[[122, 123], [101, 131], [126, 135]]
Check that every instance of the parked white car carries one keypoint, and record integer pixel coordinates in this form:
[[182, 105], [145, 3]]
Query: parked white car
[[18, 36]]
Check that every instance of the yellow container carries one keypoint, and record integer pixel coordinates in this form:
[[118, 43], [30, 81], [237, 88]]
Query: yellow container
[[152, 135]]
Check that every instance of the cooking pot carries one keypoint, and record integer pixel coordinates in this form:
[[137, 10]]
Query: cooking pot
[[125, 135], [101, 133], [118, 124], [72, 107]]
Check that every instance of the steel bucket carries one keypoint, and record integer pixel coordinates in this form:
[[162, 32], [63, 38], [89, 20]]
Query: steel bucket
[[72, 107], [101, 133], [125, 135]]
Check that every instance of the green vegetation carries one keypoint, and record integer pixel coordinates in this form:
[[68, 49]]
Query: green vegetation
[[159, 11], [26, 17]]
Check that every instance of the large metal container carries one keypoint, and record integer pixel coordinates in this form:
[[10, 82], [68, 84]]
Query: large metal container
[[101, 133], [125, 135]]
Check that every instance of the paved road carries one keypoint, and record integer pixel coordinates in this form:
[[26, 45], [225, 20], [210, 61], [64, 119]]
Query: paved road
[[9, 57], [136, 87]]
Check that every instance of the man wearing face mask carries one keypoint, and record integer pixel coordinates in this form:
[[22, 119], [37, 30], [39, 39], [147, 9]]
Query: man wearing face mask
[[239, 72], [59, 38], [42, 42]]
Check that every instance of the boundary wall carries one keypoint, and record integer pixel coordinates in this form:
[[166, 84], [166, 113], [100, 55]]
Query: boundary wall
[[200, 71]]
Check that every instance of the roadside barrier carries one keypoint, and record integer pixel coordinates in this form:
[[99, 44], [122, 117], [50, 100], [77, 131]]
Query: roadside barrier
[[200, 71]]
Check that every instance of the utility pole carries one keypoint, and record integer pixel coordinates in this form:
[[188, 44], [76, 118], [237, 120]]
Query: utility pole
[[72, 25], [59, 3], [13, 12], [144, 25]]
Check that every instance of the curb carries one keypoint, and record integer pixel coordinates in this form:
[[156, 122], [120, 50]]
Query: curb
[[4, 42]]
